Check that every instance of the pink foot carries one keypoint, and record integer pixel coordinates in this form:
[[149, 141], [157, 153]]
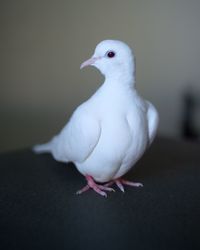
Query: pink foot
[[97, 188], [120, 182]]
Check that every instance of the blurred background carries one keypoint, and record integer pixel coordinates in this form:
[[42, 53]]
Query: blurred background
[[43, 43]]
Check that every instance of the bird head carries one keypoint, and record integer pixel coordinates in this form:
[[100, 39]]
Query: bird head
[[112, 57]]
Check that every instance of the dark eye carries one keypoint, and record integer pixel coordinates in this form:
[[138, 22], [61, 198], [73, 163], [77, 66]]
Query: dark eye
[[110, 54]]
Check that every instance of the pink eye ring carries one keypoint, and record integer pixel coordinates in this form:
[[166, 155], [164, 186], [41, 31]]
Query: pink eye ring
[[110, 54]]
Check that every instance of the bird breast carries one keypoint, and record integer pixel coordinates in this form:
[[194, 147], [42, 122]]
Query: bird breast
[[122, 141]]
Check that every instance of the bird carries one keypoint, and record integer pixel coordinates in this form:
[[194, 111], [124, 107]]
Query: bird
[[108, 133]]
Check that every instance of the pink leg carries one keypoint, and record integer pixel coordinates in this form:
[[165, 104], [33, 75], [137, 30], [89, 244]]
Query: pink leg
[[97, 188], [120, 182]]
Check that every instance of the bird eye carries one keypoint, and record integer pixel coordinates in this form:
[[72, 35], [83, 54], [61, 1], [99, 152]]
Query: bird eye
[[110, 54]]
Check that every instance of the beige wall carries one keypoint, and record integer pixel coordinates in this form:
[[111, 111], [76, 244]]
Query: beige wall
[[43, 43]]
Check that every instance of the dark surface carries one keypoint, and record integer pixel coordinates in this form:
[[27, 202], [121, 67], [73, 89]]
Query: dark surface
[[40, 210]]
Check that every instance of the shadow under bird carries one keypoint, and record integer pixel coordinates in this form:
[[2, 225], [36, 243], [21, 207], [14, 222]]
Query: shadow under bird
[[107, 134]]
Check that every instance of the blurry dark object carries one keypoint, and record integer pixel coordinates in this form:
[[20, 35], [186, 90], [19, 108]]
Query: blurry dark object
[[189, 111]]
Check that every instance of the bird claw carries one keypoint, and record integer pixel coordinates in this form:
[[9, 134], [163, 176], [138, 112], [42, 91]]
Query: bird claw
[[131, 183], [84, 189], [120, 186], [120, 182], [101, 188], [97, 188]]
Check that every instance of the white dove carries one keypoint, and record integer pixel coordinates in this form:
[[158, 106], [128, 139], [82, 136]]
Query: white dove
[[107, 134]]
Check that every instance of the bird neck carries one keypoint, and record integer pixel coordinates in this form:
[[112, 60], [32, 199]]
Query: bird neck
[[124, 79], [123, 75], [117, 88]]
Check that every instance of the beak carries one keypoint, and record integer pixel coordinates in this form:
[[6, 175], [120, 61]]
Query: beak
[[90, 61]]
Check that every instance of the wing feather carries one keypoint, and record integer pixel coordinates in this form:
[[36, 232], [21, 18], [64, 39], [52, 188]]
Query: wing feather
[[153, 120], [78, 138]]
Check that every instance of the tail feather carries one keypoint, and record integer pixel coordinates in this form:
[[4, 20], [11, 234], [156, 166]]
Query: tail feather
[[42, 148]]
